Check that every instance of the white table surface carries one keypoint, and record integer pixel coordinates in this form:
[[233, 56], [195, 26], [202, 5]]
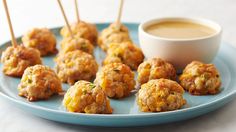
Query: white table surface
[[27, 14]]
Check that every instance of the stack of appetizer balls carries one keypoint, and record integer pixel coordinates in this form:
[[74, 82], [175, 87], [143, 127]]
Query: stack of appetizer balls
[[91, 90]]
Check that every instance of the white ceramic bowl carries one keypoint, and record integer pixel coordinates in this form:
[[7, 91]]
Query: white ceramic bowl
[[180, 52]]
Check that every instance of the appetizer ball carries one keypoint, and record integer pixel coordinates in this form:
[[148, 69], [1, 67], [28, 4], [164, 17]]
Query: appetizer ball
[[155, 68], [113, 34], [116, 79], [42, 39], [82, 30], [16, 59], [85, 97], [70, 44], [160, 95], [200, 79], [126, 53], [76, 65], [39, 82]]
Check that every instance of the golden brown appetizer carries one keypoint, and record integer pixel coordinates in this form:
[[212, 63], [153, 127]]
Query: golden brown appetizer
[[113, 34], [126, 53], [155, 68], [39, 83], [70, 44], [82, 29], [85, 97], [42, 39], [16, 59], [116, 79], [76, 65], [200, 79], [160, 95]]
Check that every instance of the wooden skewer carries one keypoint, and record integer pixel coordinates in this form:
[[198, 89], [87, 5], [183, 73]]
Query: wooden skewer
[[13, 39], [65, 18], [118, 21], [77, 10]]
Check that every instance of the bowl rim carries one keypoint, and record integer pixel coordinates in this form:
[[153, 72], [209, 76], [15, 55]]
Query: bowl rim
[[206, 22]]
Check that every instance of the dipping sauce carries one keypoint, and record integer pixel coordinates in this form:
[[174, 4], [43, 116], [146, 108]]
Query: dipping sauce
[[179, 30]]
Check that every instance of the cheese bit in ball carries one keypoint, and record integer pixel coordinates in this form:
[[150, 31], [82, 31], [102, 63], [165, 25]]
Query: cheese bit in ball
[[42, 39], [39, 82], [76, 65], [155, 68], [125, 52], [200, 79], [160, 95], [116, 79], [85, 97], [81, 29], [113, 34], [16, 59], [70, 44]]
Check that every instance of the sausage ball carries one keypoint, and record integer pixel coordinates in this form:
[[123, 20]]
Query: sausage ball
[[85, 97], [39, 82], [42, 39], [160, 95], [116, 79], [16, 59], [82, 30], [76, 65], [126, 53], [70, 44], [155, 68], [113, 34], [200, 79]]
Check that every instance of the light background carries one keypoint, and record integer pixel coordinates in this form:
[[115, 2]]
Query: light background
[[27, 14]]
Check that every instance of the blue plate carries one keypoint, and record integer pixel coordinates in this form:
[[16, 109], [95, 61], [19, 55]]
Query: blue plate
[[126, 111]]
